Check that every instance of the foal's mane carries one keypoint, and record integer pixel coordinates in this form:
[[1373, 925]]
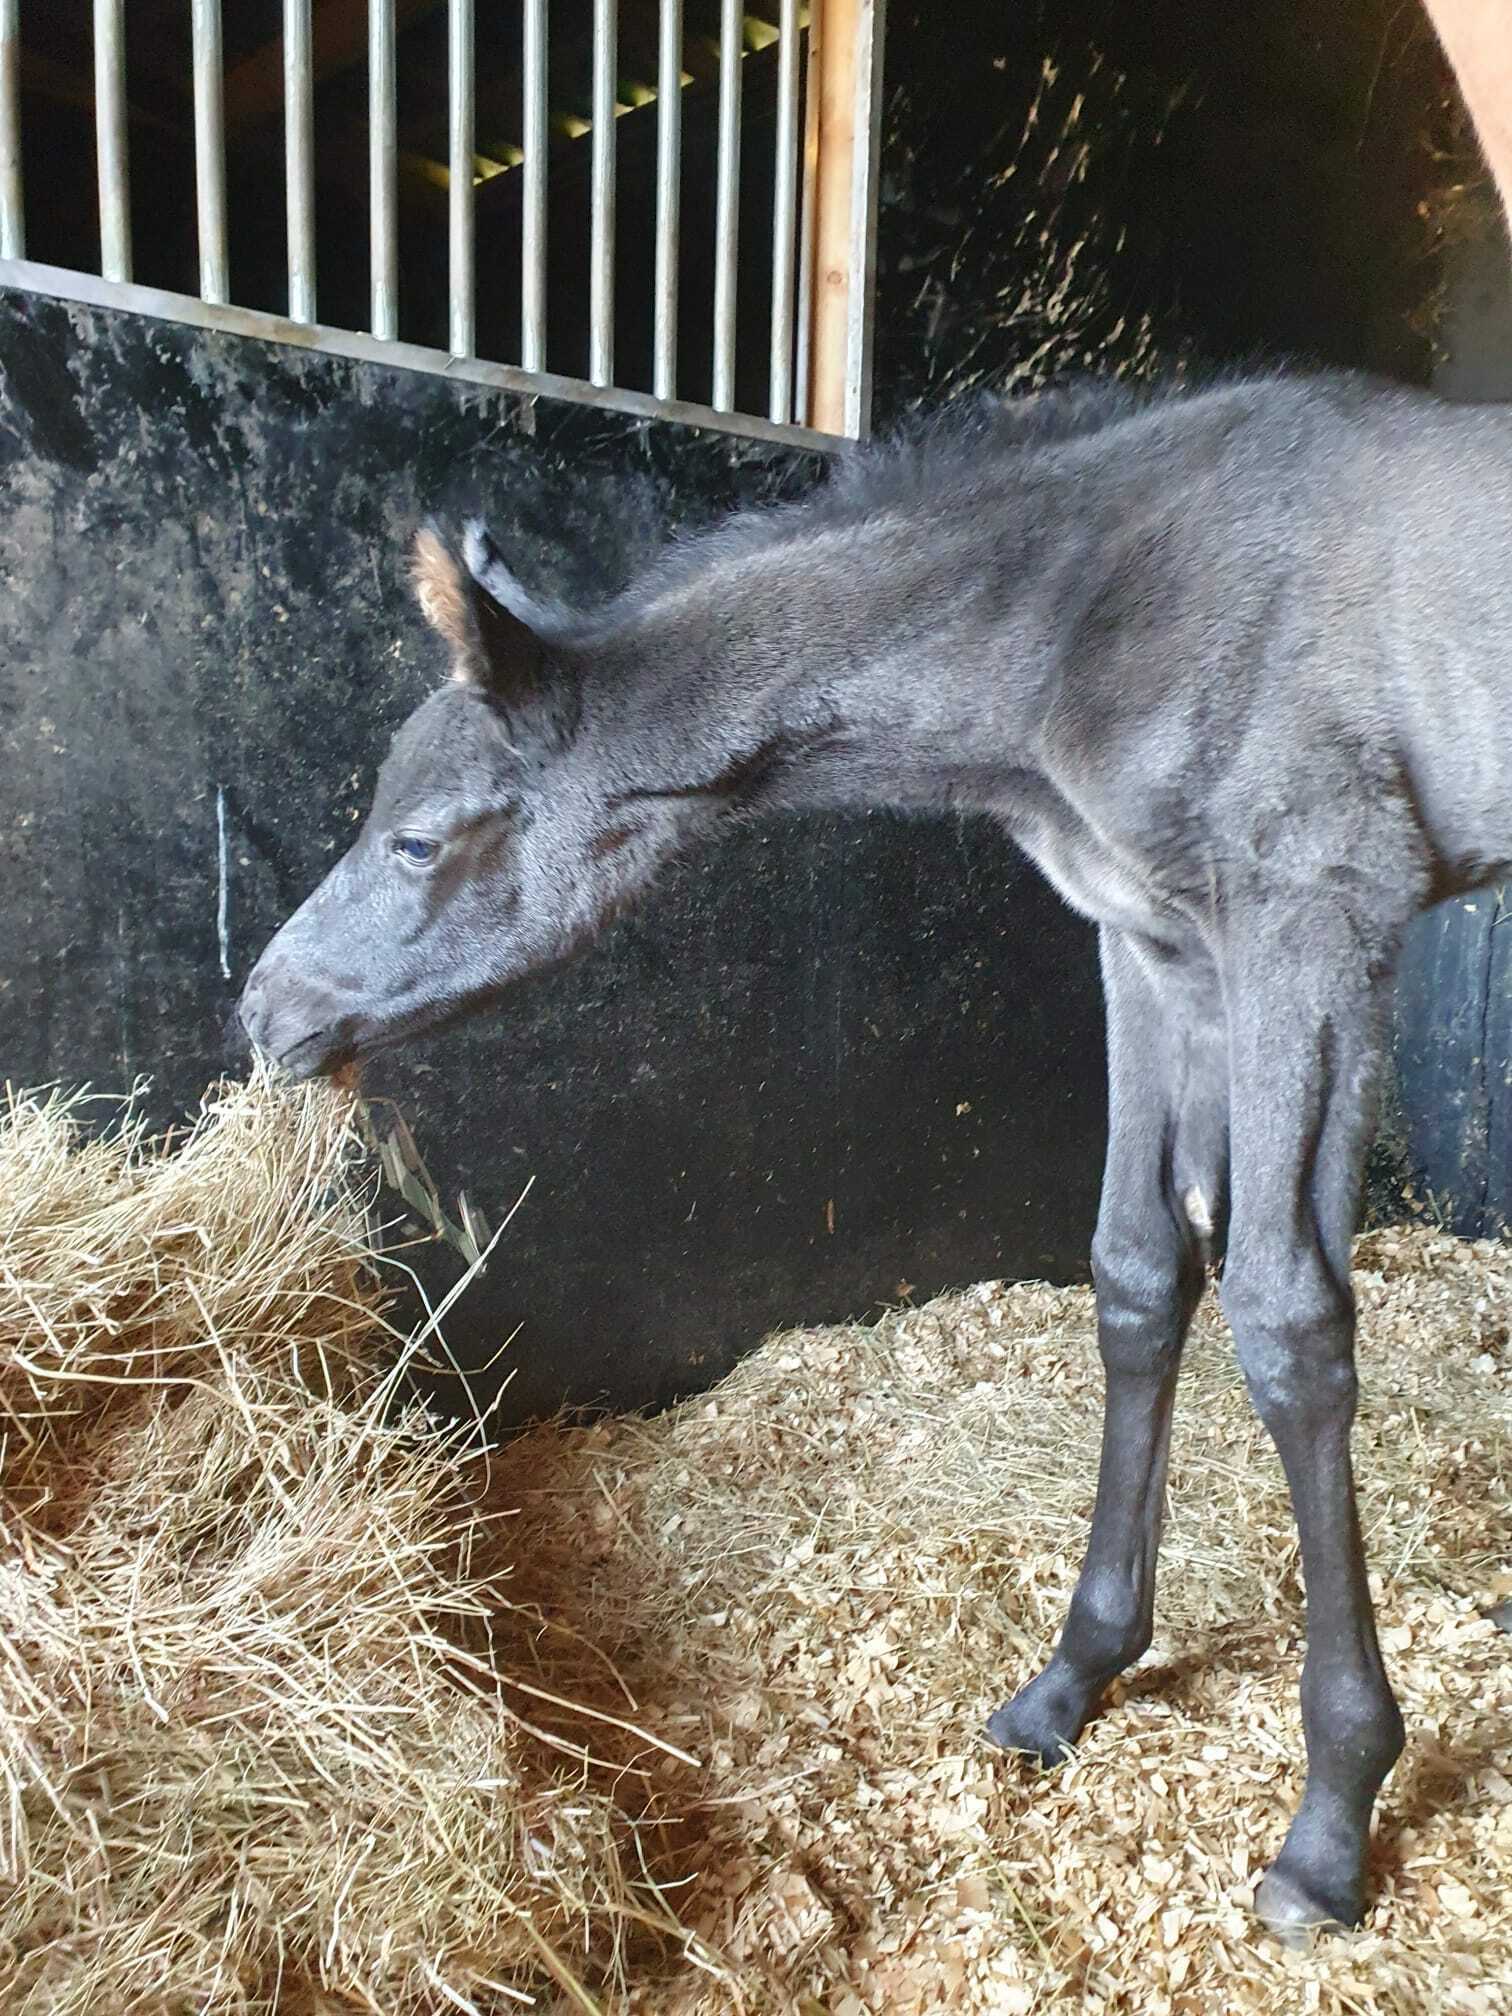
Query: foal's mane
[[950, 456]]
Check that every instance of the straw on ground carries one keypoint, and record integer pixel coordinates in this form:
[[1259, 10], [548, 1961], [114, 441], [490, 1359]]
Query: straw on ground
[[307, 1705]]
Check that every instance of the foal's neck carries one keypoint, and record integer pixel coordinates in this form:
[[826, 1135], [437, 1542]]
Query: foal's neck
[[893, 660]]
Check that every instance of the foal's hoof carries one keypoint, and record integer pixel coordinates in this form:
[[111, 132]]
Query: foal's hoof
[[1040, 1721], [1294, 1910]]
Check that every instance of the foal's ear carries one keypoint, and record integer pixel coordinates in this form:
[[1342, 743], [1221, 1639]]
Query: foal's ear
[[493, 631], [485, 563], [444, 593]]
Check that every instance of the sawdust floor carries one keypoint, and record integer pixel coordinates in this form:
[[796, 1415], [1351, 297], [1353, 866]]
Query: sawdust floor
[[821, 1577]]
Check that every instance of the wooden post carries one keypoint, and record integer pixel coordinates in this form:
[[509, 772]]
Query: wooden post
[[833, 25], [845, 75]]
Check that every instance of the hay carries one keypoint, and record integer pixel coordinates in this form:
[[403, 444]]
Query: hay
[[306, 1706], [263, 1694]]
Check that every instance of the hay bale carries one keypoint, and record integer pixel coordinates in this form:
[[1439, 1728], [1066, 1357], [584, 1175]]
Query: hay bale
[[306, 1705], [266, 1728]]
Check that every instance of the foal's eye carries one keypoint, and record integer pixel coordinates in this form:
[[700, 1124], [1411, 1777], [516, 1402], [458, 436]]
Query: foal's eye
[[410, 847]]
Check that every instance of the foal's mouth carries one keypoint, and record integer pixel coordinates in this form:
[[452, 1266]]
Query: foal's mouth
[[323, 1054], [311, 1058]]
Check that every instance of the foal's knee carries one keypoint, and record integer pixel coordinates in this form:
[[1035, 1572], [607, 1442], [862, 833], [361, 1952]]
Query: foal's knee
[[1147, 1288], [1110, 1623], [1354, 1727], [1294, 1329]]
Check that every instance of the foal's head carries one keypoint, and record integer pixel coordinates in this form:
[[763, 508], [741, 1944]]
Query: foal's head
[[503, 834]]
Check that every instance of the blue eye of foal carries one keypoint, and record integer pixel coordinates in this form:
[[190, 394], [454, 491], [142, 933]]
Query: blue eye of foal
[[410, 847]]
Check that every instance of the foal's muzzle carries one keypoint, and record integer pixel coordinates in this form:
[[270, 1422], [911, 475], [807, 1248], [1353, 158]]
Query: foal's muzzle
[[301, 1027]]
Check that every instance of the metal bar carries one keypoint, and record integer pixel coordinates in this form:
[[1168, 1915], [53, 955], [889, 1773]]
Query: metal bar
[[601, 262], [299, 159], [383, 173], [866, 144], [32, 277], [784, 215], [12, 208], [809, 229], [668, 197], [462, 96], [533, 254], [110, 139], [210, 149], [727, 212]]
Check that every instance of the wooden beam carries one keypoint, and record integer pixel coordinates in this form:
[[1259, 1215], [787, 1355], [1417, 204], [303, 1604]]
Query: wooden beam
[[845, 76], [834, 25], [338, 41]]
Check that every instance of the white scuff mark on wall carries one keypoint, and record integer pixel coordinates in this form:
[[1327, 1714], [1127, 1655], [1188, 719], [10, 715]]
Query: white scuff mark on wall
[[222, 898]]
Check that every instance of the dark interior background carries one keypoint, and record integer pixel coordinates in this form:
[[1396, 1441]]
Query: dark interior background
[[836, 1062]]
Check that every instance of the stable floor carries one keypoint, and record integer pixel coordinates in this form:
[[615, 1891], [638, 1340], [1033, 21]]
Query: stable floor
[[822, 1576], [305, 1710]]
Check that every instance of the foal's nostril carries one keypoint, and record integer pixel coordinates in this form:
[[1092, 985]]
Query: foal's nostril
[[249, 1009], [265, 1013], [235, 1033]]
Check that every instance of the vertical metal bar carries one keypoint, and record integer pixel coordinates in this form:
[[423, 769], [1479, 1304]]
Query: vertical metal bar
[[12, 209], [210, 150], [533, 252], [461, 60], [727, 212], [784, 215], [383, 168], [668, 195], [802, 392], [110, 139], [299, 158], [867, 145], [601, 264]]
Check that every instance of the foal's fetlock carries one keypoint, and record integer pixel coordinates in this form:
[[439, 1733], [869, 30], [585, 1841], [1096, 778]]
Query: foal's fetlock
[[1044, 1719], [1106, 1631], [1355, 1734]]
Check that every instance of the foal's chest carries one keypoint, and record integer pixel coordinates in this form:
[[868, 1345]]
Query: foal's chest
[[1092, 874]]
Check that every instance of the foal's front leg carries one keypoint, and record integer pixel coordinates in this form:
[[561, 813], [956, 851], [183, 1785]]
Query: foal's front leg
[[1305, 1059], [1166, 1140]]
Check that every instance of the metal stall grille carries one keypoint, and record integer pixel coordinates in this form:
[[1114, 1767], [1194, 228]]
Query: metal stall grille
[[812, 327]]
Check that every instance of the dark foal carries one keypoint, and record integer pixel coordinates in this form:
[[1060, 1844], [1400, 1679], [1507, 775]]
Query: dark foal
[[1232, 666]]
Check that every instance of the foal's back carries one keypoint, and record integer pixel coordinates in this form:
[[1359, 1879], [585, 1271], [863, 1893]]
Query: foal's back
[[1285, 613]]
